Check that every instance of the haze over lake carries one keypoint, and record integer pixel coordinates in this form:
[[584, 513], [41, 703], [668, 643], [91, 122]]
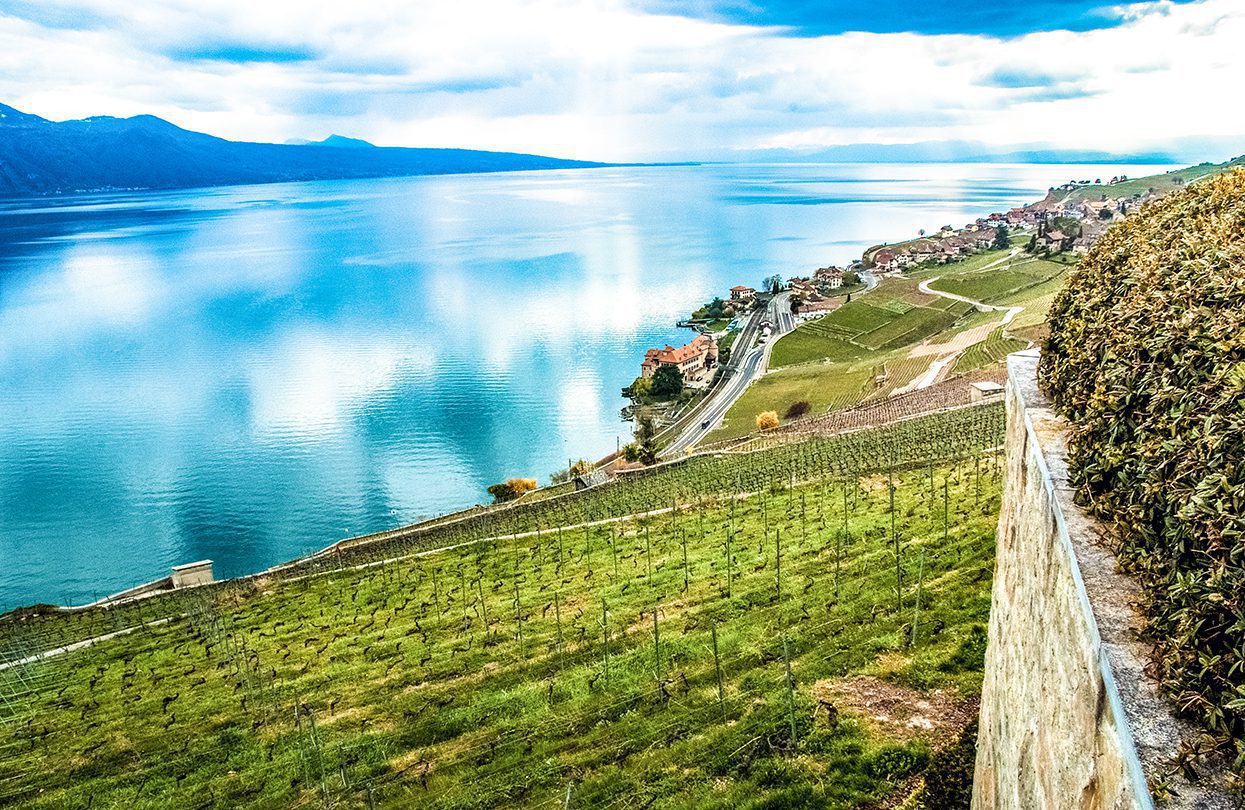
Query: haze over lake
[[247, 374]]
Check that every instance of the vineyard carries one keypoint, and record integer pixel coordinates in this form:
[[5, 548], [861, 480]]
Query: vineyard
[[704, 633], [895, 314]]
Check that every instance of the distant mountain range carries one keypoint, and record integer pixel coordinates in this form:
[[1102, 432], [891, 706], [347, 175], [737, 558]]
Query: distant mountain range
[[954, 152], [38, 156]]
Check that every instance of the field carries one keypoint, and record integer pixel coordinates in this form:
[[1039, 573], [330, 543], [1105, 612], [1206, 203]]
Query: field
[[573, 652], [894, 315], [989, 352], [999, 284]]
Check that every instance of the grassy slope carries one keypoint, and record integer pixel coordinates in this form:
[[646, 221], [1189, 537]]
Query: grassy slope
[[1163, 183], [999, 285], [893, 315], [417, 684]]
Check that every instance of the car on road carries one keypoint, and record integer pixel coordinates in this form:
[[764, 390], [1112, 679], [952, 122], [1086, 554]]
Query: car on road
[[704, 425]]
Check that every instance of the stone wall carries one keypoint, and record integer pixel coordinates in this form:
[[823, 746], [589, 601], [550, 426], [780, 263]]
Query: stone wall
[[1068, 717]]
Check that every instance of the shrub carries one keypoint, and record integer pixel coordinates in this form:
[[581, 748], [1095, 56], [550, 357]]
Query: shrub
[[797, 409], [767, 420], [511, 489], [1146, 358], [896, 762]]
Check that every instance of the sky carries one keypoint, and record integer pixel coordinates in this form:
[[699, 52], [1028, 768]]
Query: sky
[[645, 79]]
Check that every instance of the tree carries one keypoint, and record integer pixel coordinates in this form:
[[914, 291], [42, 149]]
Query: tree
[[1105, 213], [577, 468], [796, 303], [640, 388], [667, 382], [851, 278], [511, 489], [767, 420], [772, 283], [1001, 241], [644, 448]]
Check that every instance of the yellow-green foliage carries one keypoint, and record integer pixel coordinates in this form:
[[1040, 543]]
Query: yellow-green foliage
[[1146, 357]]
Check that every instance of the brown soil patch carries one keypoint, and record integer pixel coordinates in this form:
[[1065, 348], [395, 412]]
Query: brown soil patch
[[897, 712]]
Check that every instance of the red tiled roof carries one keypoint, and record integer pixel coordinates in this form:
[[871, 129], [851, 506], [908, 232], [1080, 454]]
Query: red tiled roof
[[670, 355]]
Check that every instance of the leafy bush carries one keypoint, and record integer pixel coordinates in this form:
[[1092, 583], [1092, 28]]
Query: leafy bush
[[511, 489], [767, 420], [797, 409], [1146, 357]]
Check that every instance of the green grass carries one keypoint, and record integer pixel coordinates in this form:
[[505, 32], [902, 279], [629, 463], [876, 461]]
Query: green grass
[[911, 327], [895, 314], [488, 674], [1162, 183], [826, 386], [806, 346], [1001, 284], [989, 352]]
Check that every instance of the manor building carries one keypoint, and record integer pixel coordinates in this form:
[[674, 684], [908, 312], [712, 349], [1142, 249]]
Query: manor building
[[695, 359]]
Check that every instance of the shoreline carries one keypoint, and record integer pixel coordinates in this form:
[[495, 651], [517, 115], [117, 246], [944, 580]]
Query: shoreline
[[449, 516]]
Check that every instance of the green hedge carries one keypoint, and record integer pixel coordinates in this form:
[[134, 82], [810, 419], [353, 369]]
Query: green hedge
[[1146, 357]]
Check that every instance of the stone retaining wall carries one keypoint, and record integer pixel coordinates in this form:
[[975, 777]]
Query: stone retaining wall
[[1068, 717]]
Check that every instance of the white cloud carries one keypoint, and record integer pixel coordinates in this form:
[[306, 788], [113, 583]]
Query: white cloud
[[603, 80]]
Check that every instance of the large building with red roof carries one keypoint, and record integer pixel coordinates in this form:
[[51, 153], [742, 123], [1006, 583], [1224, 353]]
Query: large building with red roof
[[694, 360]]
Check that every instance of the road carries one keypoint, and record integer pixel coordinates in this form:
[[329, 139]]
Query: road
[[748, 362]]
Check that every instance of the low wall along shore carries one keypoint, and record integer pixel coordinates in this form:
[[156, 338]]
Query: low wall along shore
[[1068, 717]]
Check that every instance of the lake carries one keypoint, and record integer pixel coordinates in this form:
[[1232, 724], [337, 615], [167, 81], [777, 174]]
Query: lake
[[247, 374]]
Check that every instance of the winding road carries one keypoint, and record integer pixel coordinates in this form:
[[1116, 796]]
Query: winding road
[[940, 364]]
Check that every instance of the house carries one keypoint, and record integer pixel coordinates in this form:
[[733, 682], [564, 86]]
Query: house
[[1054, 241], [801, 286], [886, 261], [695, 359], [829, 277], [593, 478], [742, 294], [817, 306]]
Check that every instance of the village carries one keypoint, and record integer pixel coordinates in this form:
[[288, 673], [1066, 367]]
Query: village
[[1068, 220]]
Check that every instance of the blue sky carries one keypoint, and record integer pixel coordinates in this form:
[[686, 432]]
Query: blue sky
[[822, 17], [644, 79]]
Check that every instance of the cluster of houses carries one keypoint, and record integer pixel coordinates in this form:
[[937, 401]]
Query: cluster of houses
[[948, 245], [815, 294], [1091, 217], [696, 360]]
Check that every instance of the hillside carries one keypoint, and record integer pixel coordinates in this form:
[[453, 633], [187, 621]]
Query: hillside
[[38, 156], [796, 627], [1156, 184]]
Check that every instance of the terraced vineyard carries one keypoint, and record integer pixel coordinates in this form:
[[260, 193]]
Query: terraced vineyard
[[893, 315], [706, 633]]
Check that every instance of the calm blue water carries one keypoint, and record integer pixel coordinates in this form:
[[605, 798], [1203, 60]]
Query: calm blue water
[[247, 374]]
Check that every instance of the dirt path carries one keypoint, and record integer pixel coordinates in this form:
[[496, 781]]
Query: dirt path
[[945, 354]]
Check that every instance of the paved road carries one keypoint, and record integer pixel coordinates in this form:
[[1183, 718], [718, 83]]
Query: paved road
[[748, 362]]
